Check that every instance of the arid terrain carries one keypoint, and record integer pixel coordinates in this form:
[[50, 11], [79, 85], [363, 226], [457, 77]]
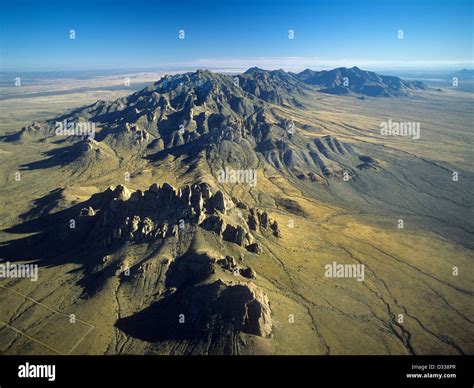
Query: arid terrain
[[145, 247]]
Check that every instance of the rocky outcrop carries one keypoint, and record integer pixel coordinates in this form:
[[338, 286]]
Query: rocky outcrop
[[237, 234], [246, 307], [221, 287], [27, 133], [228, 263], [248, 272], [162, 212], [215, 224], [87, 211], [217, 202], [254, 248], [159, 212], [218, 309], [238, 303], [260, 221]]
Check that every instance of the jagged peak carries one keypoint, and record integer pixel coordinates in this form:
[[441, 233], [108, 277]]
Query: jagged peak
[[254, 69], [306, 71]]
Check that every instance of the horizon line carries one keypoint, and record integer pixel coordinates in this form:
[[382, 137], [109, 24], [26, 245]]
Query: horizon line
[[268, 63]]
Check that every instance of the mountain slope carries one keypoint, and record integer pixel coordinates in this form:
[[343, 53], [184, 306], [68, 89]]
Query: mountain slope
[[209, 116], [354, 80], [205, 209]]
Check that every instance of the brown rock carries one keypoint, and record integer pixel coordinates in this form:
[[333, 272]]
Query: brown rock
[[87, 211], [248, 273], [253, 221], [247, 307], [122, 193], [214, 224], [217, 202], [255, 248]]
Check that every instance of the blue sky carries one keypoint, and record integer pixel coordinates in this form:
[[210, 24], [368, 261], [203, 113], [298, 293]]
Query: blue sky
[[144, 34]]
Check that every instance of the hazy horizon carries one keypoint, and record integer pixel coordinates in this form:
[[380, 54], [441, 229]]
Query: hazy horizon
[[249, 63]]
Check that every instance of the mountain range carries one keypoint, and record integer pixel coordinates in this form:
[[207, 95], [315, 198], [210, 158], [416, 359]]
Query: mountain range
[[183, 252]]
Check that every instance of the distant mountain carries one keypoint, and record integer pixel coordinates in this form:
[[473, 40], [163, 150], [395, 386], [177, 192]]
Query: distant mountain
[[222, 118], [464, 74], [277, 86], [280, 87], [342, 81]]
